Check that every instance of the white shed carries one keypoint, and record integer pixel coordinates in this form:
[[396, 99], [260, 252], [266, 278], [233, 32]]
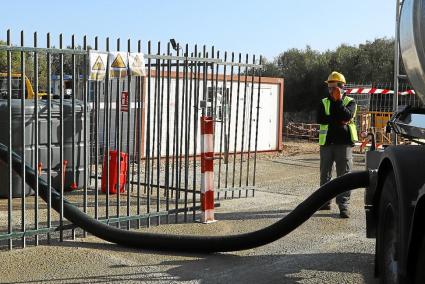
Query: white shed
[[270, 119]]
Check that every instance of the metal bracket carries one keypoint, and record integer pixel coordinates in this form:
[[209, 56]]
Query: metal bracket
[[257, 66], [213, 158], [43, 49], [181, 58]]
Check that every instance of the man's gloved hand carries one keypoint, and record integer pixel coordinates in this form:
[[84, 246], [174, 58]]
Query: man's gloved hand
[[336, 94]]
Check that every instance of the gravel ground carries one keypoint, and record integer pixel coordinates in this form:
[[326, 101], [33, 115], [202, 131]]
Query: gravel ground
[[325, 249]]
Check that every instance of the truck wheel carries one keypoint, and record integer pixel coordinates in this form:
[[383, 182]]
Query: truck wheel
[[388, 237], [420, 264]]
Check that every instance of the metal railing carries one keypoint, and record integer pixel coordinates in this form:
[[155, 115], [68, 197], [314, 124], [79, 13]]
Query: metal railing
[[68, 127]]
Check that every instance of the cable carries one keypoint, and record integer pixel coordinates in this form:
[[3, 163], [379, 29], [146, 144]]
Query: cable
[[186, 243]]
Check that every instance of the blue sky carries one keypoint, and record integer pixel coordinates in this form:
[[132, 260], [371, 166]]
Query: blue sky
[[265, 27]]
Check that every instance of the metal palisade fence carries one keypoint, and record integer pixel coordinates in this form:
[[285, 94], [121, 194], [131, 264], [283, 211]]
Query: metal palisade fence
[[117, 132]]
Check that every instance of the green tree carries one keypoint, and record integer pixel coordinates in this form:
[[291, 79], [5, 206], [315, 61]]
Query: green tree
[[29, 66], [42, 65], [16, 60], [305, 70]]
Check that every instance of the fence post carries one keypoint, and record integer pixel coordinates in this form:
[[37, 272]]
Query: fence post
[[207, 169]]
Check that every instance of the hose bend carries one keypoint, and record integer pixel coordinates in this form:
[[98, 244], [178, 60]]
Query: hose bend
[[189, 243]]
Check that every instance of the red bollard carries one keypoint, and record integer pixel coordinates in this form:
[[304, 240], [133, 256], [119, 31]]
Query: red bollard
[[40, 169], [113, 166], [207, 170]]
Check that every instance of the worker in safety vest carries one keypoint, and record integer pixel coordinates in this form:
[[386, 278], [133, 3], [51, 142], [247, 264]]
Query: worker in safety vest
[[336, 116]]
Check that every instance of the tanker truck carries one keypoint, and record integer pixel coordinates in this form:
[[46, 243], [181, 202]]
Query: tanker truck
[[394, 179], [395, 197]]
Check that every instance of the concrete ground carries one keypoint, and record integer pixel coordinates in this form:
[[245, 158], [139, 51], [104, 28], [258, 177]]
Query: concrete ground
[[325, 249]]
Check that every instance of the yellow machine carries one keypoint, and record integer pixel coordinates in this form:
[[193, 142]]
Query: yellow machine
[[16, 87]]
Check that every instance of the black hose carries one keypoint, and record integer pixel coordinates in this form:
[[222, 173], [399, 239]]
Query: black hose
[[194, 243]]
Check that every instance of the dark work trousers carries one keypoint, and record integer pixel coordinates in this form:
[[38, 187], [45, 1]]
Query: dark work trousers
[[342, 156]]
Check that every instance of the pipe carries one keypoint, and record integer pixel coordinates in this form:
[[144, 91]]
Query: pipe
[[207, 244]]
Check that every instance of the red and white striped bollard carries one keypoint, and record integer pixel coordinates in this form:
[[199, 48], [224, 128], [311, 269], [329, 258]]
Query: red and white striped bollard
[[207, 169]]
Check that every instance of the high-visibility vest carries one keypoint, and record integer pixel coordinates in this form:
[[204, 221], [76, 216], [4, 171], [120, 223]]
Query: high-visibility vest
[[323, 131]]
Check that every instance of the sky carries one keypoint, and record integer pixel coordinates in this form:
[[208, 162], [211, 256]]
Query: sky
[[266, 27]]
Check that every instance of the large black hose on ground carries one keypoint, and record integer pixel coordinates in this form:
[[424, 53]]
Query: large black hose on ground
[[193, 243]]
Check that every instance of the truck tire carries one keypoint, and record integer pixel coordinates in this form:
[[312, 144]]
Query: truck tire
[[420, 264], [388, 237]]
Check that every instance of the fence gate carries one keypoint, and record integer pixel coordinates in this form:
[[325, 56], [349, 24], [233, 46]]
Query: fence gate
[[132, 136]]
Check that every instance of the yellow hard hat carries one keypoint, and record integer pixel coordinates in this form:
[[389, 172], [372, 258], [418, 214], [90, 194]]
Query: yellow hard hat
[[336, 77]]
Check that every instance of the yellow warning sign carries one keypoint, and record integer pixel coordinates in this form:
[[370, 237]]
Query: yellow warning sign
[[98, 64], [118, 62], [137, 62]]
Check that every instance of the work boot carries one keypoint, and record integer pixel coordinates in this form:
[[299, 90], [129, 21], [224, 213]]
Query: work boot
[[327, 206], [344, 213]]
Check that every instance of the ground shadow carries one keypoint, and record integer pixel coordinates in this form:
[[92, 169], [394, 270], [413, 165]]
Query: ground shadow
[[274, 268], [294, 163], [229, 216], [267, 214], [228, 268]]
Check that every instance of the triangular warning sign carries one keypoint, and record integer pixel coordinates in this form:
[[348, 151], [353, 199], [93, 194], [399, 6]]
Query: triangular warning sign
[[137, 62], [98, 64], [118, 62]]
